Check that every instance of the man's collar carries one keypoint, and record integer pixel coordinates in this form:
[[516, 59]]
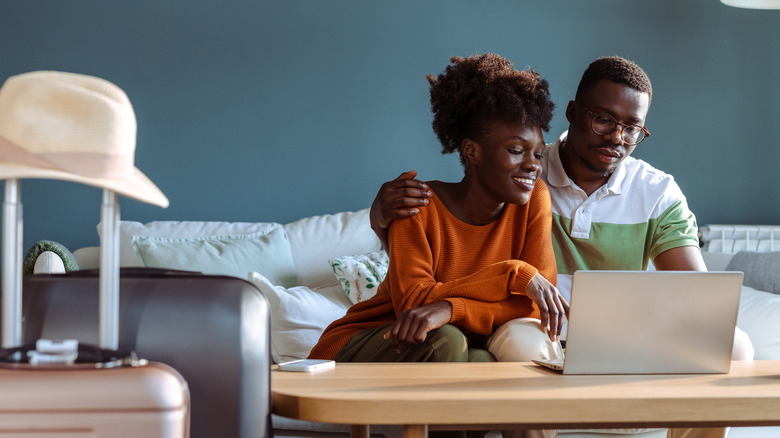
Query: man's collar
[[557, 177], [615, 183]]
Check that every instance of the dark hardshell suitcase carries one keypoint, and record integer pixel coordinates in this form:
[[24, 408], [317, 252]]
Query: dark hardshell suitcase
[[214, 330], [82, 399]]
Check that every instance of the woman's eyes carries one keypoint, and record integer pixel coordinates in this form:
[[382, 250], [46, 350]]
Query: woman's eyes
[[538, 156]]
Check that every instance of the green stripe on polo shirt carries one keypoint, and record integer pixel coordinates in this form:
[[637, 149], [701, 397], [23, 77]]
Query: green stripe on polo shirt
[[623, 246]]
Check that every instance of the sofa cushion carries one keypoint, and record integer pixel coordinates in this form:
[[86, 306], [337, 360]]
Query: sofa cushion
[[760, 268], [317, 239], [266, 252], [361, 274], [299, 315], [759, 317], [179, 230]]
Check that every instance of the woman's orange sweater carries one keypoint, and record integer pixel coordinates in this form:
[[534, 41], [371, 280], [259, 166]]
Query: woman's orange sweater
[[483, 271]]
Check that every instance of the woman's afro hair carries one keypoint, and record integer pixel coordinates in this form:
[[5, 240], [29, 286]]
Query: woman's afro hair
[[484, 88]]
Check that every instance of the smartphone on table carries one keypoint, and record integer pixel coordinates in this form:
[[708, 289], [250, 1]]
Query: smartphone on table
[[307, 365]]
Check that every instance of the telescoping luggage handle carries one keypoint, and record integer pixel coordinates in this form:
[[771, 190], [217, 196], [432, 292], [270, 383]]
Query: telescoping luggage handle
[[12, 264], [109, 272], [12, 271]]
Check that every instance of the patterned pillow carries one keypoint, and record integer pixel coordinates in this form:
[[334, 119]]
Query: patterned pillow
[[360, 274]]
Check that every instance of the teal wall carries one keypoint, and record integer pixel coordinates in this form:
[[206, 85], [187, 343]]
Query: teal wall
[[272, 110]]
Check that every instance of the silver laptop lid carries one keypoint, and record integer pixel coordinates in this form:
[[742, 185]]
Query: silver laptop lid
[[652, 322]]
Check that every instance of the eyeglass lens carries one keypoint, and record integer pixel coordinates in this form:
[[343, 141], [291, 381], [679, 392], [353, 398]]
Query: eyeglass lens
[[604, 124]]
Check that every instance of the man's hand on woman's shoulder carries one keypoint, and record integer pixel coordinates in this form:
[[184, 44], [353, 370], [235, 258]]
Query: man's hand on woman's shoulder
[[396, 199]]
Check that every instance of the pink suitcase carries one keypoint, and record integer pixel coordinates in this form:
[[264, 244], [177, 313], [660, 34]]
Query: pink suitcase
[[121, 402], [82, 400]]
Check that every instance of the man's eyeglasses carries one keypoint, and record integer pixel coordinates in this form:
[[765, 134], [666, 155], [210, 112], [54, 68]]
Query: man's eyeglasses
[[603, 124]]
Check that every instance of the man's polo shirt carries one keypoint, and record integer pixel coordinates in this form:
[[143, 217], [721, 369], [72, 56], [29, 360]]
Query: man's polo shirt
[[639, 213]]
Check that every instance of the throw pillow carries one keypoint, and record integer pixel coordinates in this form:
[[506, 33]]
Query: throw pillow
[[760, 269], [179, 230], [266, 252], [299, 315], [361, 274], [316, 239]]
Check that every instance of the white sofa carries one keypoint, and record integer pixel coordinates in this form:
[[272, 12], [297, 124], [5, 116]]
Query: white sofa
[[754, 250], [300, 254]]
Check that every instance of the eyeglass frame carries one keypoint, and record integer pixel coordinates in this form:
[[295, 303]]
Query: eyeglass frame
[[594, 114]]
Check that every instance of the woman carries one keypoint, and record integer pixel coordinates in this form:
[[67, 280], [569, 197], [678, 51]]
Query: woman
[[480, 256]]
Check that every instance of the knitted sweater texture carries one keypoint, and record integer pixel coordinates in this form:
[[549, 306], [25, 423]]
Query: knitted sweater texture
[[483, 271]]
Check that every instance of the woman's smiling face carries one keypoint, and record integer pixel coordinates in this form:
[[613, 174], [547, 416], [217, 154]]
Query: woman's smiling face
[[509, 161]]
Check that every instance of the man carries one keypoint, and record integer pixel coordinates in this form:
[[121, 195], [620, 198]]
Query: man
[[610, 211]]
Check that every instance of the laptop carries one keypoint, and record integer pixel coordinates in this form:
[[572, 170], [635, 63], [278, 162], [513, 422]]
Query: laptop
[[650, 322]]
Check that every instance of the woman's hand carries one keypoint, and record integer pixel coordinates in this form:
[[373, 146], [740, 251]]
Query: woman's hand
[[552, 306], [413, 325], [397, 199]]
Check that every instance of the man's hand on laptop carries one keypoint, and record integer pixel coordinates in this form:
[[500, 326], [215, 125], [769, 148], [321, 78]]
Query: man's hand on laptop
[[552, 305]]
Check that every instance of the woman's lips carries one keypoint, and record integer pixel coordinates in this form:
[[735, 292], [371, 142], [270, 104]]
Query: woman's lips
[[525, 182]]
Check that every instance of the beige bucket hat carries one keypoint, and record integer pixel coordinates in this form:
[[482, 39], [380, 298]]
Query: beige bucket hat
[[72, 127]]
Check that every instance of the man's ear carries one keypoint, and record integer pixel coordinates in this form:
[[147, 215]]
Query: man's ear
[[469, 150], [570, 110]]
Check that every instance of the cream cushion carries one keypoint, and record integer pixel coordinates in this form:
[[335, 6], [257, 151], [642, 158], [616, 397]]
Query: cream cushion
[[299, 315], [317, 239], [179, 230], [234, 255]]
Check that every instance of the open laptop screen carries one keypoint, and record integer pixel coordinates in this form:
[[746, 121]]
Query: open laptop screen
[[651, 322]]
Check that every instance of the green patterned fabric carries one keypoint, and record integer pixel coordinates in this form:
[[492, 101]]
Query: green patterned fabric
[[361, 274], [41, 246]]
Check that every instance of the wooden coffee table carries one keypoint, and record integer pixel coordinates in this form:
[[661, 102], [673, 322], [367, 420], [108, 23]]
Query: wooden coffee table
[[493, 396]]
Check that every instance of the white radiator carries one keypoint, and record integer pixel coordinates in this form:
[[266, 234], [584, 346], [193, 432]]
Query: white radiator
[[734, 238]]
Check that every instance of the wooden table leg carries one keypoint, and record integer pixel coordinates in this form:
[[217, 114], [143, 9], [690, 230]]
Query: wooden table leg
[[359, 431], [416, 431]]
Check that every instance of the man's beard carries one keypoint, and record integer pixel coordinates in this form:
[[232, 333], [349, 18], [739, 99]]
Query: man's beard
[[603, 173]]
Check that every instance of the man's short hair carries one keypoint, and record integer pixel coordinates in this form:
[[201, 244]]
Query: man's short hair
[[615, 69]]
